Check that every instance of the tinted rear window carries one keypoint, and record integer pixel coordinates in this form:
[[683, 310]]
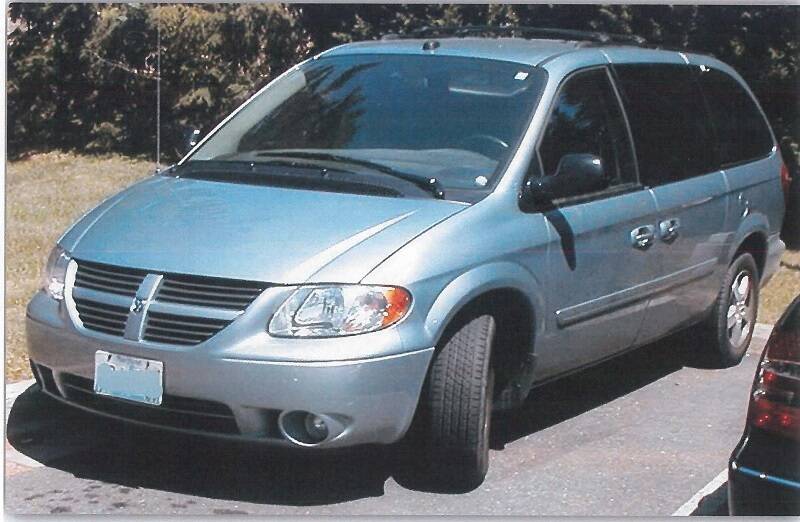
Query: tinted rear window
[[741, 130], [671, 132]]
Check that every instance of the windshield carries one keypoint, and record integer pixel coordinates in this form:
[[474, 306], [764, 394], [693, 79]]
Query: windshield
[[454, 119]]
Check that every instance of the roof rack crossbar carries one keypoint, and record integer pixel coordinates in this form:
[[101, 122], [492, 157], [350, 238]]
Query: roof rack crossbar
[[521, 31]]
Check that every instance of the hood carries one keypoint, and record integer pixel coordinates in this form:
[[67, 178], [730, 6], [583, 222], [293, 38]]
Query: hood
[[250, 232]]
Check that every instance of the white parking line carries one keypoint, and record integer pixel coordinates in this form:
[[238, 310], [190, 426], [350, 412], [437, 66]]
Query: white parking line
[[692, 504], [763, 331]]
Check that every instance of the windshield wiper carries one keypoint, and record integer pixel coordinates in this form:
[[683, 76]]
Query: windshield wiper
[[264, 173], [431, 185]]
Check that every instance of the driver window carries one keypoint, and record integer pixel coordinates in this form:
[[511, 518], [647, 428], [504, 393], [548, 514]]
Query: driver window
[[587, 119]]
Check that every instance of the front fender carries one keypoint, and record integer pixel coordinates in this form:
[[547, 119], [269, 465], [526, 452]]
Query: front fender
[[480, 280]]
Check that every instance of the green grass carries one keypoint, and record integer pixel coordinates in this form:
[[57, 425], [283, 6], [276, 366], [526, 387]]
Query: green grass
[[782, 288], [48, 192], [44, 195]]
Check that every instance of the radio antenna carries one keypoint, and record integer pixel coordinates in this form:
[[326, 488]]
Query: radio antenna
[[158, 90]]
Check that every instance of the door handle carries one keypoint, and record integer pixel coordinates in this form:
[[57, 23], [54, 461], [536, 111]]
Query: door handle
[[643, 237], [668, 229], [744, 204]]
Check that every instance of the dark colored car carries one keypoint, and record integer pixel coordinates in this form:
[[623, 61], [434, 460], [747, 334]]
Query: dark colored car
[[791, 221], [764, 469]]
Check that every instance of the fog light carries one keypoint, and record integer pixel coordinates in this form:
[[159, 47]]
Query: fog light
[[316, 427]]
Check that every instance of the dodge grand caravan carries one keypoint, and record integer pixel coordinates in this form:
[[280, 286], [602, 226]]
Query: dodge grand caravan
[[415, 233]]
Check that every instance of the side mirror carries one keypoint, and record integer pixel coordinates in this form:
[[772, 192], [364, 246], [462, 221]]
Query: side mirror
[[576, 174], [191, 137]]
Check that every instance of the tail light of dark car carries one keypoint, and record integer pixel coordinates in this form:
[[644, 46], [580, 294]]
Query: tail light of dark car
[[786, 179], [775, 400]]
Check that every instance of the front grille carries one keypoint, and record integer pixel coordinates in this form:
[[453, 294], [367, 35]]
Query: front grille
[[181, 329], [229, 294], [184, 310], [101, 317], [107, 278], [175, 412]]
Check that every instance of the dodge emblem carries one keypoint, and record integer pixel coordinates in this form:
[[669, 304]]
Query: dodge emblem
[[138, 305]]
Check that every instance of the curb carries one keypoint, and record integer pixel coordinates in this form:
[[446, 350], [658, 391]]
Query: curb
[[16, 462], [15, 389]]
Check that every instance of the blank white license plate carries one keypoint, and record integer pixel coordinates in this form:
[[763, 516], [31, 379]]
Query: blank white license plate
[[131, 378]]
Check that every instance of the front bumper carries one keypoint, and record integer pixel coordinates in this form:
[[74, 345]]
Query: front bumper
[[215, 389]]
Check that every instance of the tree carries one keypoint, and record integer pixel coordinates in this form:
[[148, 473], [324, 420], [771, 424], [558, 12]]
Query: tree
[[82, 76], [47, 75]]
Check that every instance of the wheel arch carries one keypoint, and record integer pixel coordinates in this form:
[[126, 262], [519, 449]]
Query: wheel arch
[[509, 293], [504, 278], [752, 238]]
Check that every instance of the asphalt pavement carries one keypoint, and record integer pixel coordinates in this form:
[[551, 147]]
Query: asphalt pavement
[[647, 433]]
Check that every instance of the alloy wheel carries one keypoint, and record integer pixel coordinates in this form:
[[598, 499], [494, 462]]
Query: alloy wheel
[[741, 311]]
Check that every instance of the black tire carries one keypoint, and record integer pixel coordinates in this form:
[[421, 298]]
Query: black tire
[[720, 350], [458, 402]]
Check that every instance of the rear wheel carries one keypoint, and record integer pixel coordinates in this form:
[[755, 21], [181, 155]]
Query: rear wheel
[[458, 403], [729, 329]]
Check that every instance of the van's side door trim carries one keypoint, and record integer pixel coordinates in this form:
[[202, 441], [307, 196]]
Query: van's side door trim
[[608, 303]]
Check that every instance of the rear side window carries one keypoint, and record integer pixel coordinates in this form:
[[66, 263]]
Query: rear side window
[[742, 132], [671, 132]]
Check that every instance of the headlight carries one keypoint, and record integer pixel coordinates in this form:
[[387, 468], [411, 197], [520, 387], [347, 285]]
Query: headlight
[[332, 311], [55, 272]]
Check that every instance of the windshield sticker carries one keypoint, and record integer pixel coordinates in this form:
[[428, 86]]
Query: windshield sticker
[[521, 75], [481, 181]]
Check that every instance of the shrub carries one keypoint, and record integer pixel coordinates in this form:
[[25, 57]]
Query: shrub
[[83, 76]]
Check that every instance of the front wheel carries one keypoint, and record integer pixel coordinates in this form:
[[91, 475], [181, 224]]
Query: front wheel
[[730, 327], [458, 402]]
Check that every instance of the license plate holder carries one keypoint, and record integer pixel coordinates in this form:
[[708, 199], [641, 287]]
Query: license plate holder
[[129, 378]]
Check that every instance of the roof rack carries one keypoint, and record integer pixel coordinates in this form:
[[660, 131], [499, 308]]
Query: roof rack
[[518, 31]]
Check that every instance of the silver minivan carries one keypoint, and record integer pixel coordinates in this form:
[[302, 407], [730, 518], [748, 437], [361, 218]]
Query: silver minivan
[[418, 232]]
